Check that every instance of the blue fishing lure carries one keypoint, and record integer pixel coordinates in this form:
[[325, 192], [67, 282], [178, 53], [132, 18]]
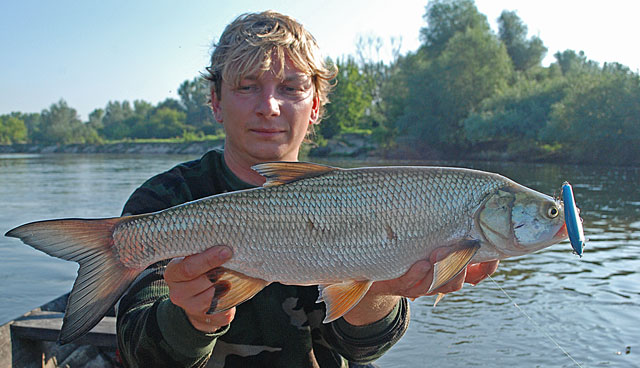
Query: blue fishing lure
[[572, 219]]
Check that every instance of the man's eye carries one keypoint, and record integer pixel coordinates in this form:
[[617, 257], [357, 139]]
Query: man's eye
[[246, 88], [293, 90]]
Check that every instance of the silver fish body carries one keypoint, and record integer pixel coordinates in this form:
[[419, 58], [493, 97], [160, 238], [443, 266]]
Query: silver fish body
[[365, 224], [313, 224]]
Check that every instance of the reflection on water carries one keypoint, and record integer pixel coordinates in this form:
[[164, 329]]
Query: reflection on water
[[589, 305]]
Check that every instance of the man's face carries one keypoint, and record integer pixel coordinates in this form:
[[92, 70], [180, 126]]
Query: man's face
[[265, 117]]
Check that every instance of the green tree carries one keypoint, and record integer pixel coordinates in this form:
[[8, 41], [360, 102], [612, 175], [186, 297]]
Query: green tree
[[349, 101], [162, 123], [599, 118], [142, 109], [12, 130], [118, 119], [195, 97], [524, 53], [443, 91], [571, 62], [512, 121], [31, 122], [60, 124], [391, 104], [445, 19], [95, 119], [170, 103], [379, 80]]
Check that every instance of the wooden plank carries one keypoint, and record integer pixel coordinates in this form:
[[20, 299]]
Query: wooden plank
[[5, 346], [44, 325]]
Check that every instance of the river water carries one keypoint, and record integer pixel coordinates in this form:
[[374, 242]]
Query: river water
[[588, 307]]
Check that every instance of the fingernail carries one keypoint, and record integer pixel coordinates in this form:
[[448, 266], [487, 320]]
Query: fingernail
[[224, 252]]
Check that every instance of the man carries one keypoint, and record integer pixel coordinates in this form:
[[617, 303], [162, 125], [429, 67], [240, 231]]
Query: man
[[268, 87]]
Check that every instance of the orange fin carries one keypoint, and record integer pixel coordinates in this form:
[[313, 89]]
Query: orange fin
[[281, 172], [232, 288], [341, 298], [453, 264], [438, 298], [102, 278]]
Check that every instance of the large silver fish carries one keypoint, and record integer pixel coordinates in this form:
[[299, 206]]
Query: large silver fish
[[309, 224]]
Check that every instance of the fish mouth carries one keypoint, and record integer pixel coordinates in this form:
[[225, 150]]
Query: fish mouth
[[562, 232]]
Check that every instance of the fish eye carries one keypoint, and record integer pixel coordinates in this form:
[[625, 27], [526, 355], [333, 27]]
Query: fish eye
[[552, 211]]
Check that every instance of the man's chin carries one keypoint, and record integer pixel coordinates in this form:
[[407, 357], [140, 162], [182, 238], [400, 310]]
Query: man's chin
[[275, 153]]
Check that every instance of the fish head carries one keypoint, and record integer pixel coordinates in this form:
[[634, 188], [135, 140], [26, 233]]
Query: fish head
[[517, 220]]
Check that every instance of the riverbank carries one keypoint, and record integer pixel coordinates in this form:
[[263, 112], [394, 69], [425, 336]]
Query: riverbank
[[345, 146], [194, 148]]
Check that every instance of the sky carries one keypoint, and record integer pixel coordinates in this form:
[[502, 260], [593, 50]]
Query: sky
[[90, 52]]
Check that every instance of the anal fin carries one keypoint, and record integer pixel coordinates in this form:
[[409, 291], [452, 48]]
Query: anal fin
[[232, 288], [341, 298], [450, 266]]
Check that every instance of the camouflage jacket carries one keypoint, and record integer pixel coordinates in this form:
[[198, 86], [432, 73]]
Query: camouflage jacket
[[280, 327]]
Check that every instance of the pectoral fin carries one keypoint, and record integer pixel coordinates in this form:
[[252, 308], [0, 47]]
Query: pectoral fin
[[232, 288], [341, 298], [438, 298], [449, 267]]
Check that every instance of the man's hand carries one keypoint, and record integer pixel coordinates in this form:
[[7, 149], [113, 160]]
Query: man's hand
[[417, 280], [191, 290], [384, 295]]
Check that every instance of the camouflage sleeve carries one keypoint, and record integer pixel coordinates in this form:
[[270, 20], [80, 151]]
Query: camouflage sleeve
[[364, 344], [153, 332]]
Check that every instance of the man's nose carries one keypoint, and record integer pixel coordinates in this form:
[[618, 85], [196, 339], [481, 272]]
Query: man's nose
[[269, 105]]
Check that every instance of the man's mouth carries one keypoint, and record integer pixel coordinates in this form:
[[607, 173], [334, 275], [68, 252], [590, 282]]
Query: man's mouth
[[266, 132]]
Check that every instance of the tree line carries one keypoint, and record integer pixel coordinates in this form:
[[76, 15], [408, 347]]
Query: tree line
[[466, 91], [188, 118]]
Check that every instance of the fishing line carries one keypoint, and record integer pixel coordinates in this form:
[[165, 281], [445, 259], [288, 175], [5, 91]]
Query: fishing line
[[536, 323]]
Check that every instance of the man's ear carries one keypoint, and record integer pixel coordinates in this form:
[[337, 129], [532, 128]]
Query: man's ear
[[215, 106], [315, 110]]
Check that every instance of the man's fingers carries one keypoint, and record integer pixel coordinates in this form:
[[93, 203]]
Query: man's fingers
[[191, 289], [197, 308], [193, 266], [417, 274], [182, 290], [406, 284], [420, 276], [212, 322], [479, 271]]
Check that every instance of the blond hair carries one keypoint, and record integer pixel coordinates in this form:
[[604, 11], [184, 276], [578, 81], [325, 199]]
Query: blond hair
[[254, 42]]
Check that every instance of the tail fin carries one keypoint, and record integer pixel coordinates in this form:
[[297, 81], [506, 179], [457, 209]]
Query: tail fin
[[102, 278]]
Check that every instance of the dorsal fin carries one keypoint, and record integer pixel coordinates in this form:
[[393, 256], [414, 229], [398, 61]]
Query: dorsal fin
[[283, 172]]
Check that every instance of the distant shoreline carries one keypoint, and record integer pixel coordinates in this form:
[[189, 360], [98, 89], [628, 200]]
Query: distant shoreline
[[352, 148], [188, 148]]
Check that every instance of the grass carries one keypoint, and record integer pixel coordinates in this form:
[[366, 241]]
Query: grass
[[184, 139]]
